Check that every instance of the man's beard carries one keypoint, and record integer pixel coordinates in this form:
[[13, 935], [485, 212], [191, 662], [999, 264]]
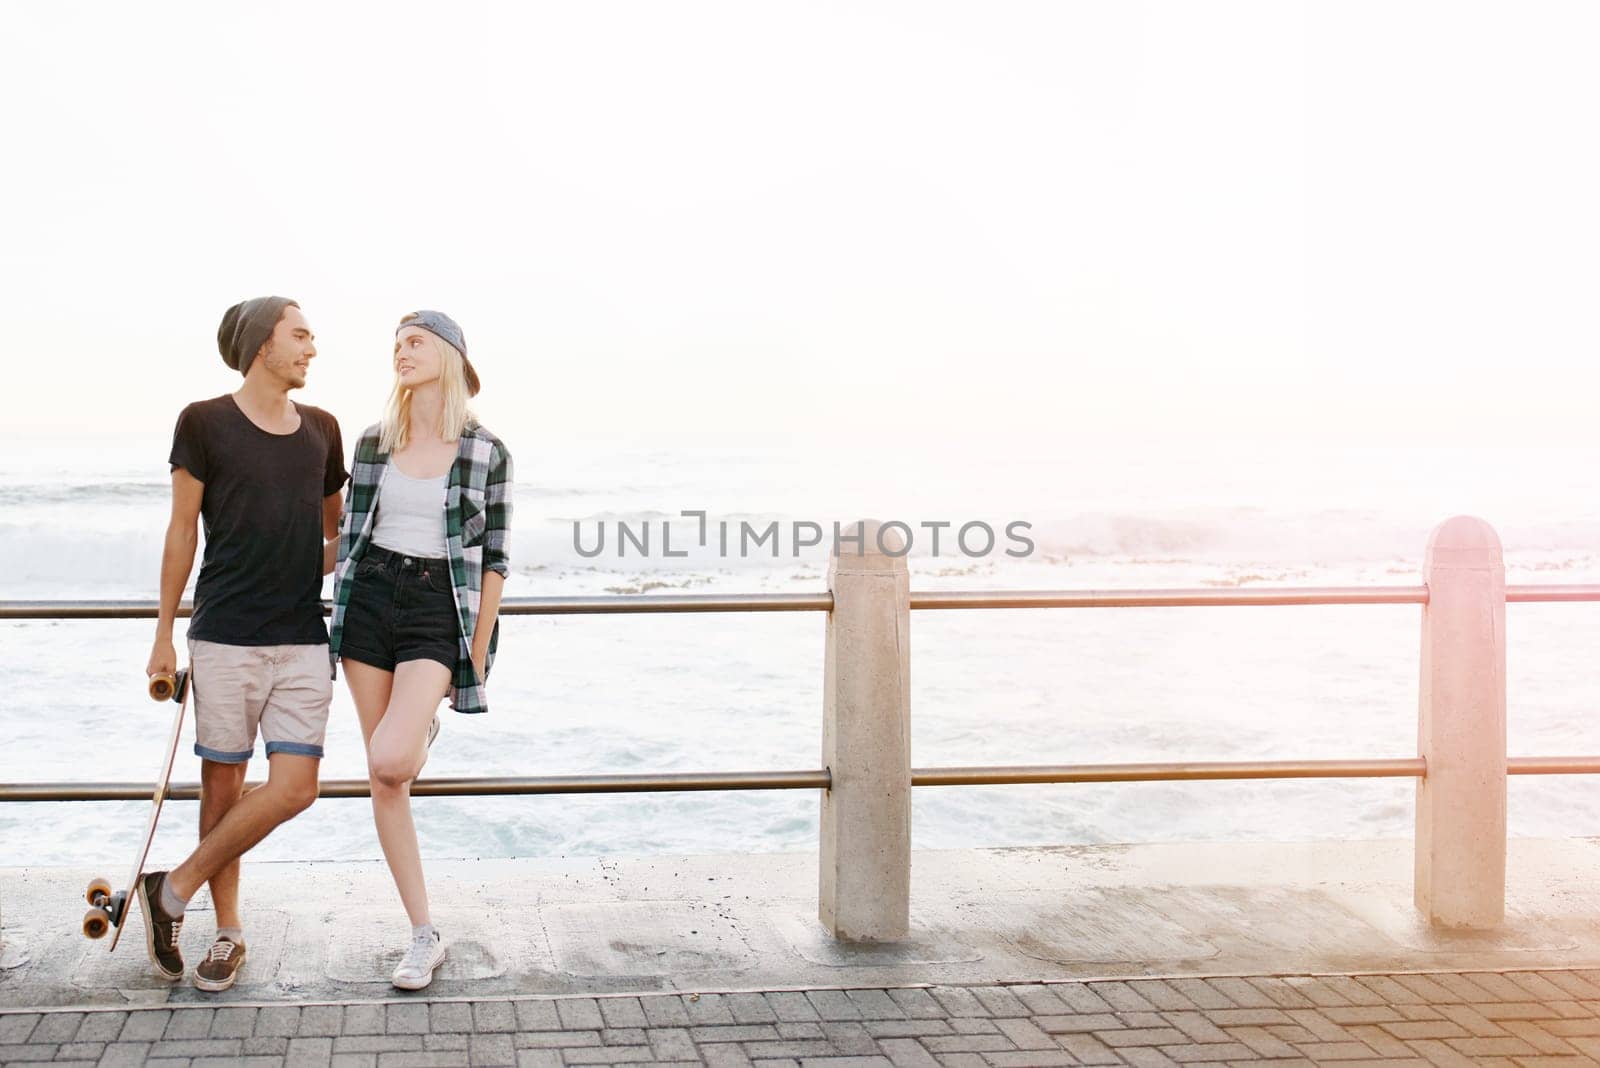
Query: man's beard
[[285, 369]]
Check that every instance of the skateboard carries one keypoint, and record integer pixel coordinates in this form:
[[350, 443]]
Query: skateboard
[[108, 909]]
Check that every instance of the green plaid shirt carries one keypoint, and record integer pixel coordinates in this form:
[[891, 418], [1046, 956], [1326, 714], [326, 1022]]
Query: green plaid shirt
[[477, 512]]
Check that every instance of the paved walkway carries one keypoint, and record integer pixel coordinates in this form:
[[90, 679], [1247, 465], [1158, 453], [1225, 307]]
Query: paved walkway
[[1444, 1018]]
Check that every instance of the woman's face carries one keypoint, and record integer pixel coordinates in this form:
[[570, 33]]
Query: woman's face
[[416, 357]]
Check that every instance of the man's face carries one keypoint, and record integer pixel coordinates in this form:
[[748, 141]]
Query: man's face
[[291, 348]]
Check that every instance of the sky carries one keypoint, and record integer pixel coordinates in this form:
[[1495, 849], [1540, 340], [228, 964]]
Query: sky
[[1006, 221]]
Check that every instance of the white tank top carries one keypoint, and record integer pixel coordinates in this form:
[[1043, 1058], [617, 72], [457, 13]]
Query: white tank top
[[411, 515]]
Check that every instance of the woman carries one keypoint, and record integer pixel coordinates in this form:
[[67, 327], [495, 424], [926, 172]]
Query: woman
[[421, 565]]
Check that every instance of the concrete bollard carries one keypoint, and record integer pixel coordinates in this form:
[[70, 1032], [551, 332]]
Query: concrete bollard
[[865, 892], [1461, 729]]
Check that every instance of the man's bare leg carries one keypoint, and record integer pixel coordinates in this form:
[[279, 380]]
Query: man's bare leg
[[290, 789], [220, 787]]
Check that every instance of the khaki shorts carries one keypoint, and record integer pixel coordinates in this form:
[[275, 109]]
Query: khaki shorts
[[284, 690]]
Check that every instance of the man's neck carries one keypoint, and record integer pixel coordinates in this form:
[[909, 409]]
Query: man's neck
[[265, 398]]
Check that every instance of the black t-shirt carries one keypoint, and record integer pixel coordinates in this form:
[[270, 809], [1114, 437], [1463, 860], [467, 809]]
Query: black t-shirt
[[261, 579]]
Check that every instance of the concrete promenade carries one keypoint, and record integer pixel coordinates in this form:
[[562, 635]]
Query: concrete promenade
[[1156, 954]]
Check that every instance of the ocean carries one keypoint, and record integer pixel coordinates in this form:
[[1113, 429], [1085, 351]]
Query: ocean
[[672, 693]]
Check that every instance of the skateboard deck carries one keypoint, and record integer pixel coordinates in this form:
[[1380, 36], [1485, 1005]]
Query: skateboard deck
[[107, 908]]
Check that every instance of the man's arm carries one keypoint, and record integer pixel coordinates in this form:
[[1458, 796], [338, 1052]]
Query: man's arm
[[332, 510], [177, 560]]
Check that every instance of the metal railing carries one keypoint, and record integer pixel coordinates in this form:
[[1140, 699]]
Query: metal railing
[[650, 604], [827, 779], [811, 779]]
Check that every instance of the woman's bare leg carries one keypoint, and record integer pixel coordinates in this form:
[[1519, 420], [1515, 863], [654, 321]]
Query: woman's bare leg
[[396, 709]]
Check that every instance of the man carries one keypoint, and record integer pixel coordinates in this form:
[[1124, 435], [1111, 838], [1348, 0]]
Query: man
[[266, 475]]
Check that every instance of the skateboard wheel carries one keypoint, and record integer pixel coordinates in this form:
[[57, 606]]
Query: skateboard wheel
[[98, 893], [96, 922], [162, 687]]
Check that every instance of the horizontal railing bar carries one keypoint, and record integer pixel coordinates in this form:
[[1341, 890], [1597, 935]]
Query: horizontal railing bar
[[629, 604], [1551, 594], [634, 604], [1573, 765], [611, 604], [1160, 771], [1407, 767], [452, 787], [1177, 598], [88, 610]]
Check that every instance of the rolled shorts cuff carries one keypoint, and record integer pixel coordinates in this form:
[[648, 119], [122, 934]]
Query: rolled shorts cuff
[[219, 756], [364, 656], [295, 749]]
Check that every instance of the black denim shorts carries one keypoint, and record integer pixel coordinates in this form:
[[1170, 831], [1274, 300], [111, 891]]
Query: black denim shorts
[[401, 608]]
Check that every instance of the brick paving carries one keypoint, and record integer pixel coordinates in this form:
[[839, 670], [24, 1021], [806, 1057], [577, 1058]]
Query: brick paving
[[1525, 1018]]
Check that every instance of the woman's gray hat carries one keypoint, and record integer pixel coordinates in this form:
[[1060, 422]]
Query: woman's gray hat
[[246, 327], [445, 328]]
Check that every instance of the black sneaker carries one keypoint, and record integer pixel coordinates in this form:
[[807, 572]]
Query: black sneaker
[[160, 929], [221, 966]]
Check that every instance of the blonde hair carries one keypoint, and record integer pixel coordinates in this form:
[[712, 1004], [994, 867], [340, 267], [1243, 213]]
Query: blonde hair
[[454, 418]]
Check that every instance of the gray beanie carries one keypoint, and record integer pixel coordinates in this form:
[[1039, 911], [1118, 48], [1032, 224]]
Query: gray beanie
[[246, 327]]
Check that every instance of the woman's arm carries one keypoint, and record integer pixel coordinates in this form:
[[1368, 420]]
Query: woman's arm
[[488, 611], [496, 555]]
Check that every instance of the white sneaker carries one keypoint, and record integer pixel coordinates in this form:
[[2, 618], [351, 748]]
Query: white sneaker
[[433, 732], [416, 970]]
